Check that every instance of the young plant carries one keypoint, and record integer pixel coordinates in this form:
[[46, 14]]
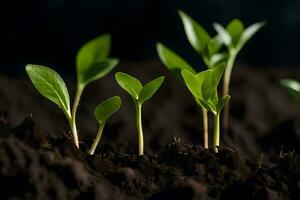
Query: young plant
[[140, 94], [207, 47], [234, 37], [91, 64], [204, 87], [175, 64], [293, 88], [102, 112]]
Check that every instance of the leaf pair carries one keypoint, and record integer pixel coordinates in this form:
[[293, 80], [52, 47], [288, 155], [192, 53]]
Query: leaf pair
[[234, 36], [207, 47], [92, 62], [204, 86], [134, 87]]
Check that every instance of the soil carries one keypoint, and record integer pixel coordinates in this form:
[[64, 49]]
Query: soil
[[259, 157]]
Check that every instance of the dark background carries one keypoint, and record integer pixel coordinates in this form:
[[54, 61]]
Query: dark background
[[49, 32]]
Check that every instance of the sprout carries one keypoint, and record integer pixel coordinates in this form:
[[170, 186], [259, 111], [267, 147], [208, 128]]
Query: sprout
[[207, 47], [175, 64], [91, 64], [204, 86], [102, 112], [139, 94], [234, 36], [293, 88]]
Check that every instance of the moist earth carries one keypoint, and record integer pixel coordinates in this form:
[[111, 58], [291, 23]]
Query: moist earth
[[259, 157]]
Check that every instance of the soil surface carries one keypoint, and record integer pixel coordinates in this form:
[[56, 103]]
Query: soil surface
[[259, 157]]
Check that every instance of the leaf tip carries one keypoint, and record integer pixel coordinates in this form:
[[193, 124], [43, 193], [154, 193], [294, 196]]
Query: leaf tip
[[118, 74], [181, 13], [159, 47], [115, 61], [28, 67]]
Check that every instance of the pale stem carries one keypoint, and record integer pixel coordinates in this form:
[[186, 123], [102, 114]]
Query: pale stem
[[226, 85], [97, 139], [205, 128], [216, 143], [74, 111], [139, 128]]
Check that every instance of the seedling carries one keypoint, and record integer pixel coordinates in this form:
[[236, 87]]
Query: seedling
[[91, 64], [140, 94], [204, 86], [234, 37], [207, 47], [175, 64], [102, 112], [293, 88]]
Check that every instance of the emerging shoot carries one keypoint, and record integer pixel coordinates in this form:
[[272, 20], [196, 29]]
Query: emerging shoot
[[204, 87], [234, 37], [102, 112], [139, 94], [91, 64]]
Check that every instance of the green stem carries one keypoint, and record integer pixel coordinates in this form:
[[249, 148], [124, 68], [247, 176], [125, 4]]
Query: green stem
[[74, 111], [97, 139], [216, 143], [139, 128], [226, 84], [205, 128]]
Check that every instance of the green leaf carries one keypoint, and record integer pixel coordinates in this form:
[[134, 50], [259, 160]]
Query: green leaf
[[218, 58], [172, 61], [293, 88], [210, 85], [250, 32], [97, 71], [90, 59], [208, 105], [132, 85], [206, 88], [106, 108], [195, 33], [235, 28], [214, 45], [222, 102], [204, 84], [150, 89], [217, 72], [49, 83], [225, 36], [194, 82]]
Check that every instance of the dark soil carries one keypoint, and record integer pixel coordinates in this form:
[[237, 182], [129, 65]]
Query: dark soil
[[259, 158]]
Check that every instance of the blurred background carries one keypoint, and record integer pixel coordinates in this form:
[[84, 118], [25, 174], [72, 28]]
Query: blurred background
[[50, 32]]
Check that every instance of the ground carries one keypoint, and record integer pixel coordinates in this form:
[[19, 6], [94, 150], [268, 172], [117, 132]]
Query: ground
[[259, 157]]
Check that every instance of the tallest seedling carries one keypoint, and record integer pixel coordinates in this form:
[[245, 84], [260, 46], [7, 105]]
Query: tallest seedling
[[208, 47], [92, 63], [234, 36]]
